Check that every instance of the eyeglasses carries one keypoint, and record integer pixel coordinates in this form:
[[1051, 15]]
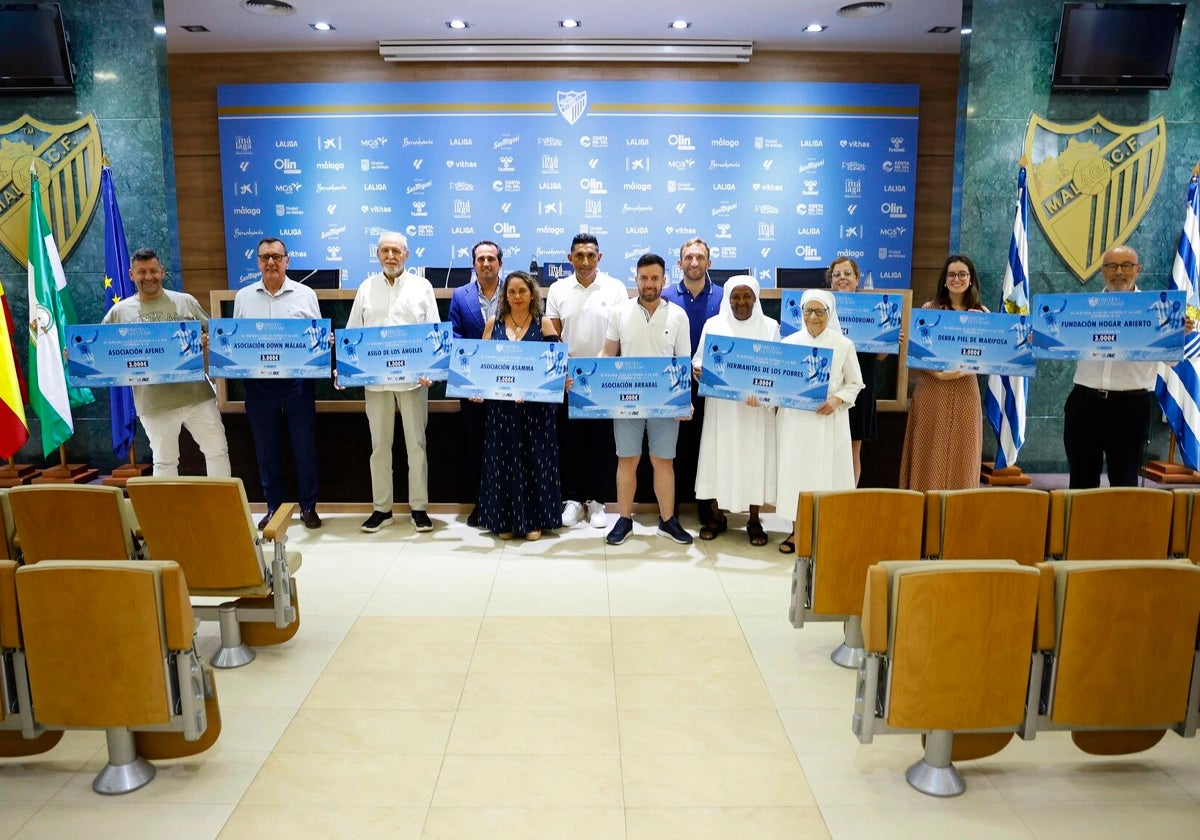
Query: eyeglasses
[[268, 258], [815, 313], [958, 275], [1125, 266]]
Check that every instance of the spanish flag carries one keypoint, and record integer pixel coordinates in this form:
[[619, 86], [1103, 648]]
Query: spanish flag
[[14, 431]]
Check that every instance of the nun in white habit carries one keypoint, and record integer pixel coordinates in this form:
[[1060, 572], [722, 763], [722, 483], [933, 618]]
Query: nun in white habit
[[815, 452], [736, 467]]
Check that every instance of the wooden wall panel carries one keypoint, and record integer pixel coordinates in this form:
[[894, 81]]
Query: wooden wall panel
[[194, 79]]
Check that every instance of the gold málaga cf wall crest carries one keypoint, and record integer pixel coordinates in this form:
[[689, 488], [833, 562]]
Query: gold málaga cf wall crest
[[68, 159], [1091, 183]]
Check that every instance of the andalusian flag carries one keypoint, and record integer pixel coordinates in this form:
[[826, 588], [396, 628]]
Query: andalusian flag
[[48, 394], [14, 430]]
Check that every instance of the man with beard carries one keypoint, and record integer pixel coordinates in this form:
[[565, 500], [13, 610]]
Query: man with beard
[[471, 307], [648, 325], [394, 297], [700, 299]]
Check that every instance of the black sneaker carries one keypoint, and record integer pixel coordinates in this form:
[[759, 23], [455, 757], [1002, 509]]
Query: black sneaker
[[375, 521], [421, 521], [672, 530], [310, 519], [262, 523], [621, 531]]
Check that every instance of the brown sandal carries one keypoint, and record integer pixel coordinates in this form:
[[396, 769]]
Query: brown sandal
[[758, 536], [714, 529]]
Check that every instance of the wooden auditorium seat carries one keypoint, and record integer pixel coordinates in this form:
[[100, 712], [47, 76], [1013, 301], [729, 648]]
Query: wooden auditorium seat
[[838, 536], [73, 521], [948, 651], [1185, 524], [1110, 523], [7, 550], [19, 733], [110, 645], [1121, 665], [205, 525], [987, 522]]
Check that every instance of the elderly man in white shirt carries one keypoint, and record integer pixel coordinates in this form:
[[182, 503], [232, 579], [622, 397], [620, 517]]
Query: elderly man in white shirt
[[648, 325], [394, 297]]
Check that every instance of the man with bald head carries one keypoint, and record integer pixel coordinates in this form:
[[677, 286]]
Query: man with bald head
[[394, 297], [1107, 415]]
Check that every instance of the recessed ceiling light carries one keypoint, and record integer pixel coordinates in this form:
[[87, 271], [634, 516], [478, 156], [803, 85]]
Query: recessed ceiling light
[[569, 23], [815, 27], [195, 27], [966, 30], [322, 26], [160, 30], [680, 24], [940, 30], [863, 10], [457, 24]]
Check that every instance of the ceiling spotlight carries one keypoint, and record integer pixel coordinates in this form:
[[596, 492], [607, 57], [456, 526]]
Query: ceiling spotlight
[[940, 30], [966, 30], [457, 24], [322, 26], [680, 24], [160, 30], [570, 24], [195, 27], [815, 27]]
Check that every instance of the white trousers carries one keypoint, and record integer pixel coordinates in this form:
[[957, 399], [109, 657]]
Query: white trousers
[[381, 417], [203, 421]]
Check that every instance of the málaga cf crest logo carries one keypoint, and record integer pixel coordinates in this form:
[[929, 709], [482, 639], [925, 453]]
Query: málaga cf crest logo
[[1091, 183], [67, 159]]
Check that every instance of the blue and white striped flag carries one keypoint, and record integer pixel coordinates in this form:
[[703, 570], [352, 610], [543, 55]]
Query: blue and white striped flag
[[1005, 399], [1178, 387]]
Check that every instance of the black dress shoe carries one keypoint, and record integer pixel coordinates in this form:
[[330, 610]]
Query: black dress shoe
[[310, 519], [473, 517], [262, 523]]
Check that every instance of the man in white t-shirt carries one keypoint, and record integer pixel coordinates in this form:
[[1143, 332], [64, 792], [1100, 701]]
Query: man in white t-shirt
[[395, 297], [648, 325], [578, 306]]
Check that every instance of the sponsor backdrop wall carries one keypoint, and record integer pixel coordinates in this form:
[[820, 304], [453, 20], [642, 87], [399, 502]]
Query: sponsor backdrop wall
[[120, 79], [1012, 39], [787, 175]]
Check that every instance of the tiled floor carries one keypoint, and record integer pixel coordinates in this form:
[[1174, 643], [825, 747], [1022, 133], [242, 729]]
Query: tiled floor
[[446, 685]]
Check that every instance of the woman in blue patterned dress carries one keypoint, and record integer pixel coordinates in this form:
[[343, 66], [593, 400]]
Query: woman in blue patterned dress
[[519, 492]]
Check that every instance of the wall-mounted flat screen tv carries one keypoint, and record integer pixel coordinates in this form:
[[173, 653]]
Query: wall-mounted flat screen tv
[[1117, 46], [33, 50]]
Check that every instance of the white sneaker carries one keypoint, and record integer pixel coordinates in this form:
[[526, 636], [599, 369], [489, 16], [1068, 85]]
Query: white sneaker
[[572, 513], [597, 516]]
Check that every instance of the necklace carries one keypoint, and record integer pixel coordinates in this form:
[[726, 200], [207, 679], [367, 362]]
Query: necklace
[[520, 331]]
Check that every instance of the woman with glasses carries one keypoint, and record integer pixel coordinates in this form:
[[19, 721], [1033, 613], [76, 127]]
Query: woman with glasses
[[815, 451], [943, 441], [736, 466], [519, 490], [843, 276]]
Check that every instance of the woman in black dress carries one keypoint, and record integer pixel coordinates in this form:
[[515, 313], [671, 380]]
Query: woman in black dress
[[519, 492], [843, 276]]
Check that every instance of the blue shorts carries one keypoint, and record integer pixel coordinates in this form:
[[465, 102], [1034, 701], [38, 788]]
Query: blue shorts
[[663, 432]]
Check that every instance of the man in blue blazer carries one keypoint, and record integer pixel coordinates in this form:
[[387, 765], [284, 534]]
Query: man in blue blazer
[[470, 308]]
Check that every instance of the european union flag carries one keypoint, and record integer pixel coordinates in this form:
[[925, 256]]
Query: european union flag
[[117, 285]]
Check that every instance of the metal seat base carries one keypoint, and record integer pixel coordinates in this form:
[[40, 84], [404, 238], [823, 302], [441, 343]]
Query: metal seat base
[[848, 657], [116, 779], [935, 781]]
